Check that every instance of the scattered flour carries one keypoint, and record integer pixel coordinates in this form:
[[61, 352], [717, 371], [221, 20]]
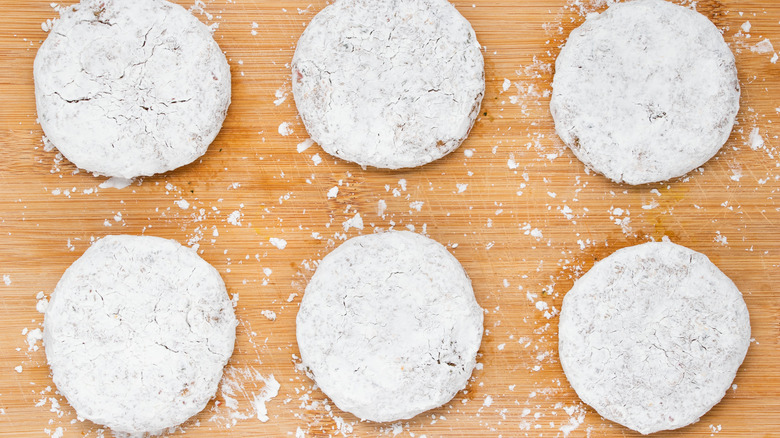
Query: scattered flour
[[576, 415], [245, 392]]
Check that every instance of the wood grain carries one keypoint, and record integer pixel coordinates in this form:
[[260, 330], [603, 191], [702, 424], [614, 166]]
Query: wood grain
[[727, 210]]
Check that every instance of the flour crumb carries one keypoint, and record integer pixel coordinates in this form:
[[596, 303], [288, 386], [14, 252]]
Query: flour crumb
[[280, 94], [306, 144], [279, 243], [653, 204], [116, 183], [7, 279], [736, 174], [269, 315], [333, 192], [354, 222], [755, 141], [764, 46], [42, 303], [182, 203], [33, 337], [285, 129], [234, 218], [506, 85], [18, 369], [47, 25]]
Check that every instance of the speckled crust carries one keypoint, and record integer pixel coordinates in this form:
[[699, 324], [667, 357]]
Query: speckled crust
[[645, 92], [652, 336], [131, 88], [388, 83], [389, 326], [137, 333]]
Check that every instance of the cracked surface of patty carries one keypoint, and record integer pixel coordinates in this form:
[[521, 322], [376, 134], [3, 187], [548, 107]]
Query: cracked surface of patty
[[389, 326], [652, 336], [130, 88], [137, 333], [388, 83]]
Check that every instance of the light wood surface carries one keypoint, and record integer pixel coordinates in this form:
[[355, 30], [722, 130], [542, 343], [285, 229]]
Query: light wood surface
[[727, 210]]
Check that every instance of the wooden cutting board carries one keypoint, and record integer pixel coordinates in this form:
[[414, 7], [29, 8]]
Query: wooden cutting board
[[513, 204]]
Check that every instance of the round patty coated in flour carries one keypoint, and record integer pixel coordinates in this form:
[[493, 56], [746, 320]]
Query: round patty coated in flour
[[130, 88], [652, 336], [137, 333], [388, 83], [389, 326], [645, 92]]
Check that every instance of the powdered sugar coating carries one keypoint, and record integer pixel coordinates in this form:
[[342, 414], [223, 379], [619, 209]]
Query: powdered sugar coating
[[130, 88], [652, 336], [388, 83], [389, 326], [645, 92], [137, 333]]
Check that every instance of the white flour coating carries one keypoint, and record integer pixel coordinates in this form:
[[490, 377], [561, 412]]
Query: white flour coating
[[131, 88], [645, 92], [137, 333], [388, 83], [652, 336], [389, 326]]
